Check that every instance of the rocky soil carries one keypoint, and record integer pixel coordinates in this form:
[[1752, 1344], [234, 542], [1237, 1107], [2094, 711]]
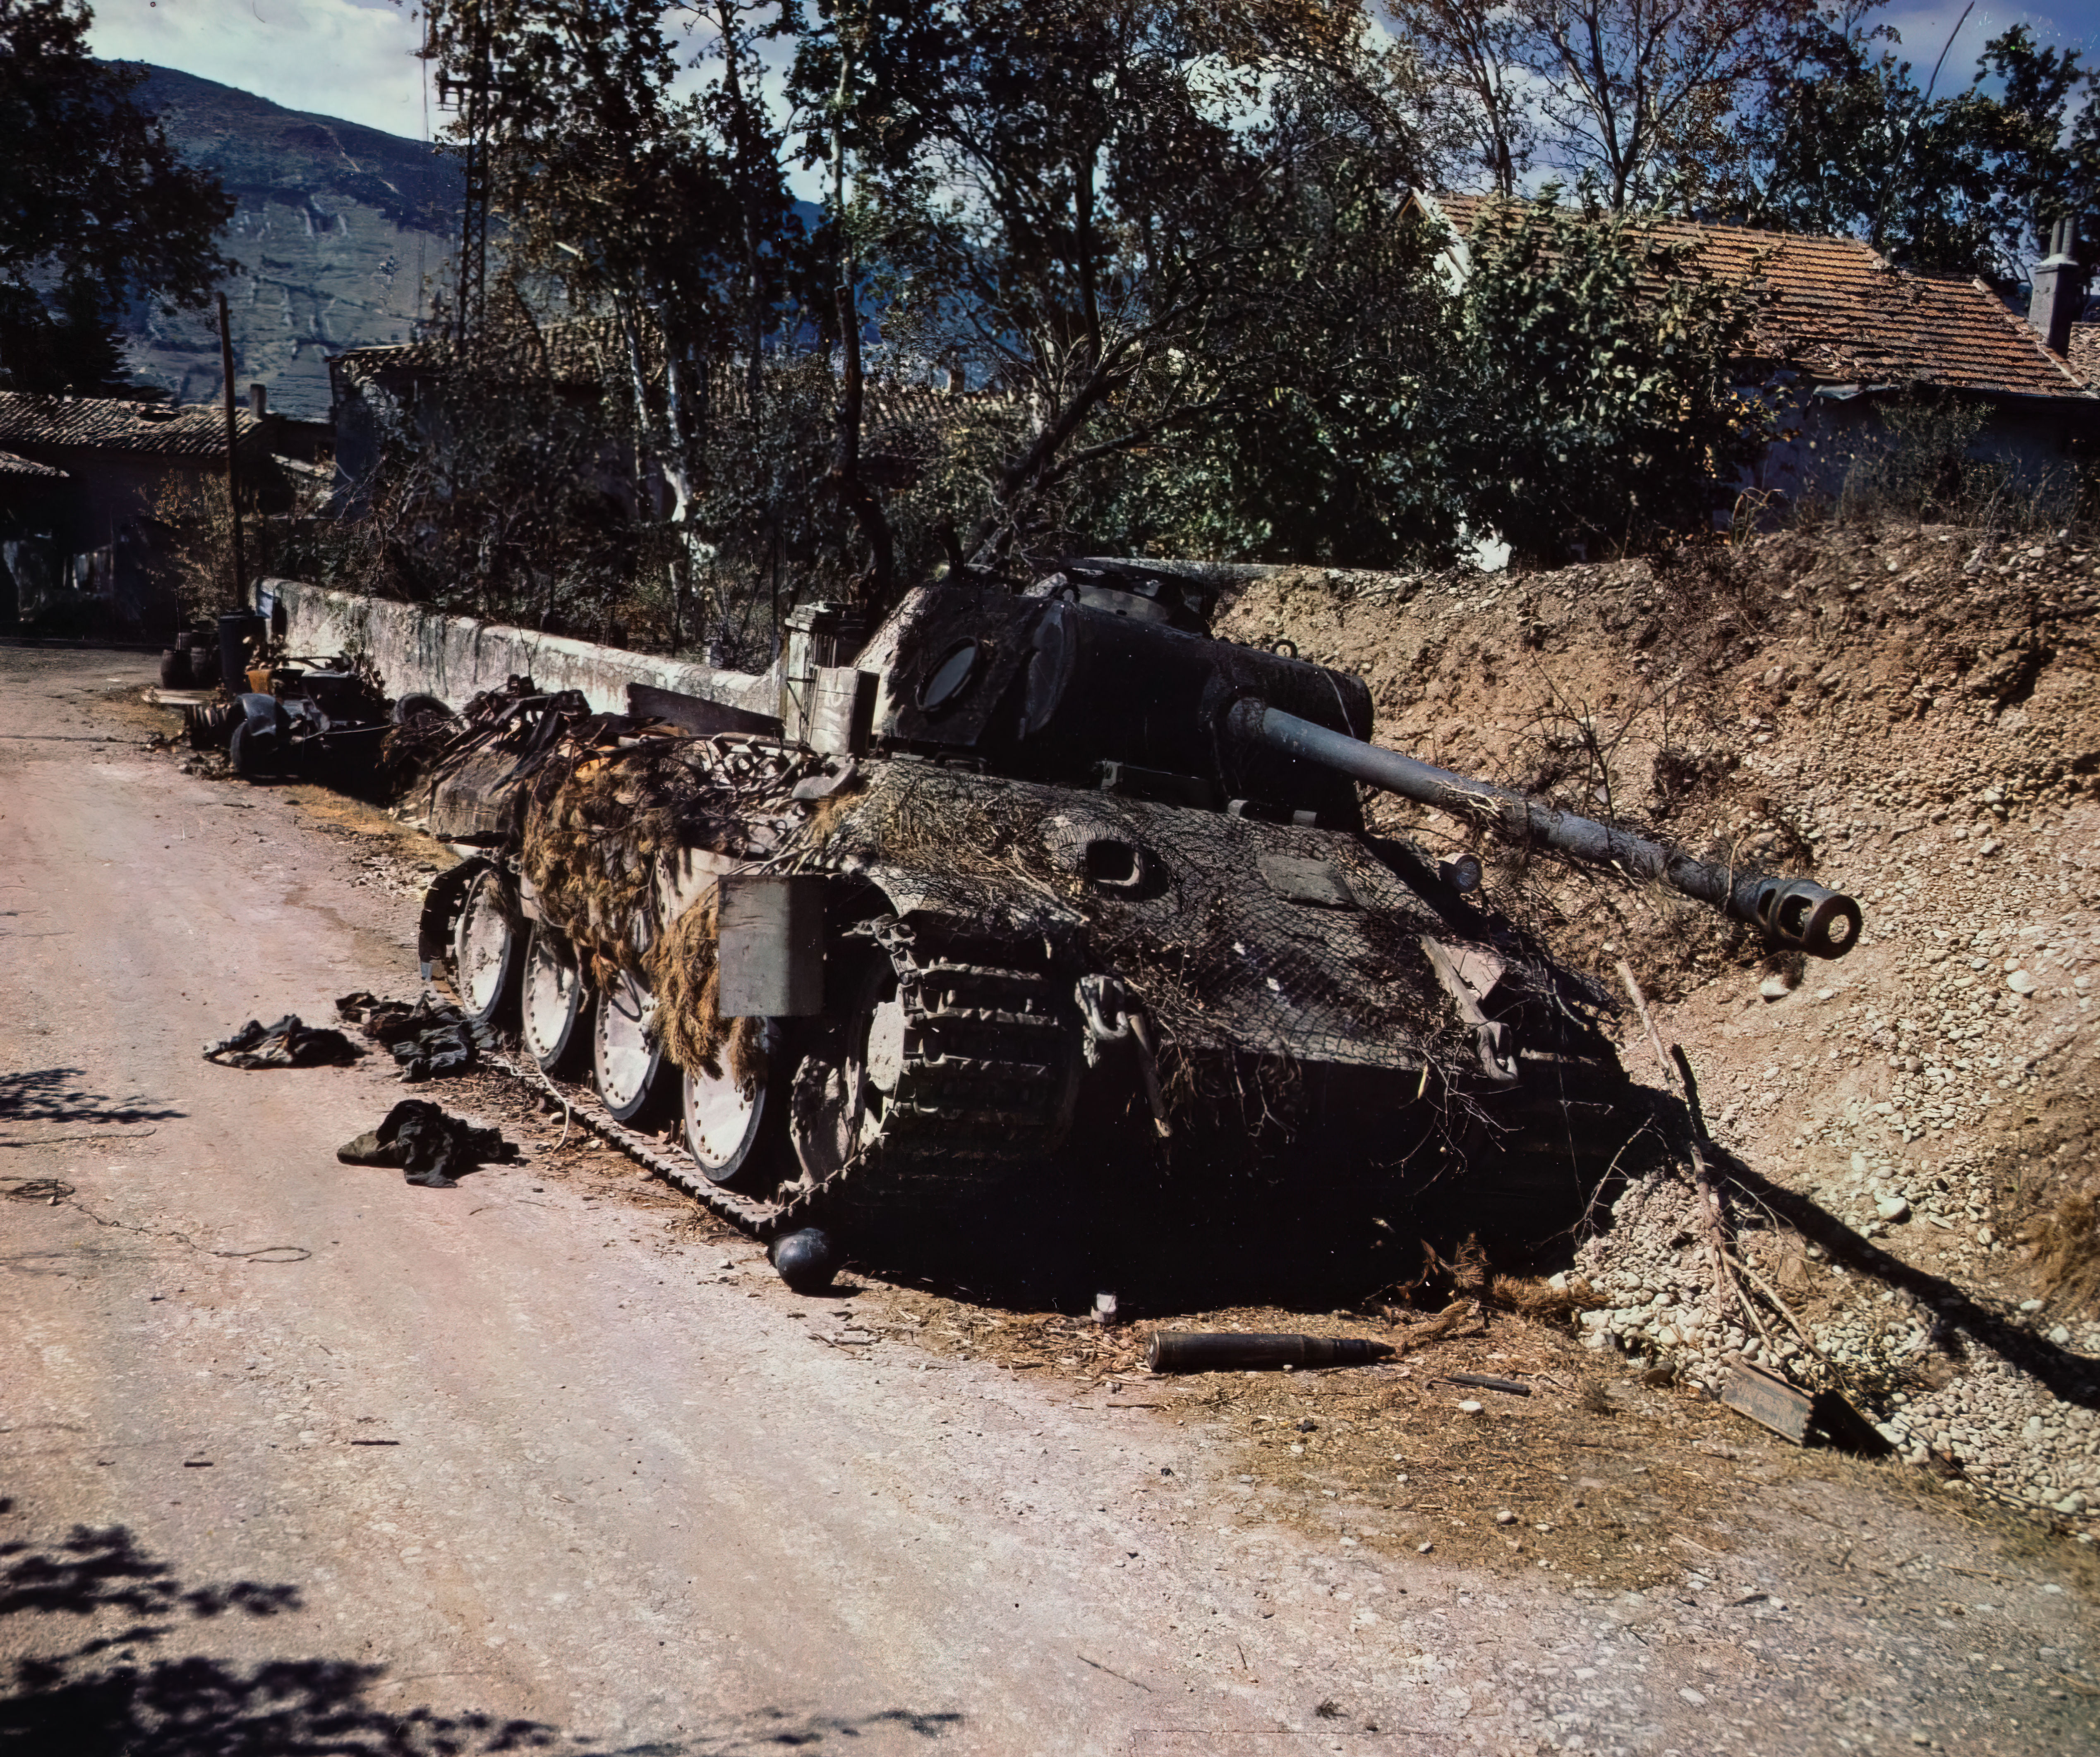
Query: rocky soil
[[1905, 1136]]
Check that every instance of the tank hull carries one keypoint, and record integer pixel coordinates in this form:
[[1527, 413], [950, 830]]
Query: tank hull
[[1023, 984]]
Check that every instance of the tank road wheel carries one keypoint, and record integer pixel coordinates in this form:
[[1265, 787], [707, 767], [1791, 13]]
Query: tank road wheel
[[556, 1006], [627, 1065], [731, 1132], [488, 949]]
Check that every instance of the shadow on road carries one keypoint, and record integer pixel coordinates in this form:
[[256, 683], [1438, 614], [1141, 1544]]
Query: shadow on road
[[54, 1095], [108, 1697]]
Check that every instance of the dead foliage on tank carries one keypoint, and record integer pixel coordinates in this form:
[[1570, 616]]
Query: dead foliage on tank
[[684, 975], [610, 801], [595, 824]]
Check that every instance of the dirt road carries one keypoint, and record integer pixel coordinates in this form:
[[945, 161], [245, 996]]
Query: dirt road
[[298, 1458]]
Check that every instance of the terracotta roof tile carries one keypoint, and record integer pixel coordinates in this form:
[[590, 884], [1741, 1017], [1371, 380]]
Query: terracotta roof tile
[[12, 465], [1835, 309], [104, 423], [2085, 352]]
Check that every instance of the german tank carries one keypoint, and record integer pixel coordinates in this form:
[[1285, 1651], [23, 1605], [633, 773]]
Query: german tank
[[1028, 890]]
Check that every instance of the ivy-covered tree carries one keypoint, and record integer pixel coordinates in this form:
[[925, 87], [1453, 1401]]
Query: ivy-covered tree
[[98, 209], [1598, 407]]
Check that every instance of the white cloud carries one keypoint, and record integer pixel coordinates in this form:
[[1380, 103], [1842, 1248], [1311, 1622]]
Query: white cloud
[[353, 58]]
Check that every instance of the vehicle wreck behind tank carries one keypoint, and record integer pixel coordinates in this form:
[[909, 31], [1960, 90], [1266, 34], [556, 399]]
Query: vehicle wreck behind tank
[[1045, 924]]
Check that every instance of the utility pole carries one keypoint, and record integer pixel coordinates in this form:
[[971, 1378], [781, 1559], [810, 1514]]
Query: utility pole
[[232, 441], [473, 93]]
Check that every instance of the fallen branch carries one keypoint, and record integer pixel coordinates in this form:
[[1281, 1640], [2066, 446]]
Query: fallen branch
[[1713, 1222], [1729, 1270]]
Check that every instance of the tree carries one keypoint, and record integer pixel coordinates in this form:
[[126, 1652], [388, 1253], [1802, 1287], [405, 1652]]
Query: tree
[[1635, 97], [1061, 196], [100, 209], [1847, 140], [1476, 53], [1639, 94], [670, 213], [1598, 407]]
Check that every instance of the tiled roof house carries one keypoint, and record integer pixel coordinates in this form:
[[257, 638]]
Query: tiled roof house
[[1840, 329], [79, 477], [374, 387]]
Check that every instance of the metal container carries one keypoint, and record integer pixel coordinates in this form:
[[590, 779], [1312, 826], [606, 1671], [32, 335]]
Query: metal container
[[240, 633]]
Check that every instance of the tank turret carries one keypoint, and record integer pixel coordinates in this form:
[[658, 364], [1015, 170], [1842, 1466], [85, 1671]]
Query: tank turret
[[1098, 685]]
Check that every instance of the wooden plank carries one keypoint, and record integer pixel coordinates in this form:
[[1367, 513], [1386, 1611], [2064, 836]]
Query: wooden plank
[[1767, 1399]]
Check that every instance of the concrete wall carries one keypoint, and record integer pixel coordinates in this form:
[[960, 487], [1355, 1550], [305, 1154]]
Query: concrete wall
[[456, 658]]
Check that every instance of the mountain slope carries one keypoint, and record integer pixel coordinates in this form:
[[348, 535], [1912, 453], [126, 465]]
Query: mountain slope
[[339, 229]]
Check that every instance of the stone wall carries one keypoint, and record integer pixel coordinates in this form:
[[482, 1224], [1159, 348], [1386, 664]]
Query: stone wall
[[455, 658]]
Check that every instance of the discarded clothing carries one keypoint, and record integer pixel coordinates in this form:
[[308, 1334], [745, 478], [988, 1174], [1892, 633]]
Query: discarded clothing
[[430, 1038], [431, 1148], [287, 1044]]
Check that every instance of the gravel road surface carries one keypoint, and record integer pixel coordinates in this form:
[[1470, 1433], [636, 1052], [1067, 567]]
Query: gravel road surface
[[295, 1458]]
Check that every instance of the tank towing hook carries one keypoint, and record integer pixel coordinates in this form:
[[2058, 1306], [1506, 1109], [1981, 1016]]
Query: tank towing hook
[[1793, 915]]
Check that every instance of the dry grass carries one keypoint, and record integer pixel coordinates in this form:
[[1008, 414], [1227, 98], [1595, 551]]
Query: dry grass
[[1609, 1483], [2066, 1242], [686, 978]]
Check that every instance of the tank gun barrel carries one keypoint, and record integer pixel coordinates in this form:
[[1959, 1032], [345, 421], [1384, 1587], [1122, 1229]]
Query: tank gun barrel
[[1795, 915]]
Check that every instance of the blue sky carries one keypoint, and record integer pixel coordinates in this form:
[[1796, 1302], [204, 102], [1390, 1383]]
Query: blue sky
[[355, 59]]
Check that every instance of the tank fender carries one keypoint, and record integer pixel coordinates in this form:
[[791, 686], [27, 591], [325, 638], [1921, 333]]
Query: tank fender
[[442, 904], [264, 714]]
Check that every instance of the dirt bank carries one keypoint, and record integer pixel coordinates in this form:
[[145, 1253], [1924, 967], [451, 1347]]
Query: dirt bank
[[1908, 713]]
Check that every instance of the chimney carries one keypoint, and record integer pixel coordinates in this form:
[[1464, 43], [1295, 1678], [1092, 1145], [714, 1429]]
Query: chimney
[[258, 400], [2058, 289]]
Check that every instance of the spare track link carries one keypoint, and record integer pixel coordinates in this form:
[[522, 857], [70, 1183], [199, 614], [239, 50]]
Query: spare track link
[[990, 1051], [670, 1163]]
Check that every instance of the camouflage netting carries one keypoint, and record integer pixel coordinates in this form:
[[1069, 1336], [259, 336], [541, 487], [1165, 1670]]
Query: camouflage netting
[[1220, 956], [684, 976], [1216, 955]]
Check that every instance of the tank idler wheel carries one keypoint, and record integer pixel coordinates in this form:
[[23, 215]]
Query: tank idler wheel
[[488, 949], [834, 1107], [628, 1067], [555, 1011]]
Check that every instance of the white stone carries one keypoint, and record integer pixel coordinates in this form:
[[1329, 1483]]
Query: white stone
[[1775, 987], [2021, 983], [1469, 1407], [1892, 1209]]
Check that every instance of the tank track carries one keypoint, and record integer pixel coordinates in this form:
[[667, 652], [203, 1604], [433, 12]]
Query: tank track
[[990, 1059], [668, 1162], [990, 1055]]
